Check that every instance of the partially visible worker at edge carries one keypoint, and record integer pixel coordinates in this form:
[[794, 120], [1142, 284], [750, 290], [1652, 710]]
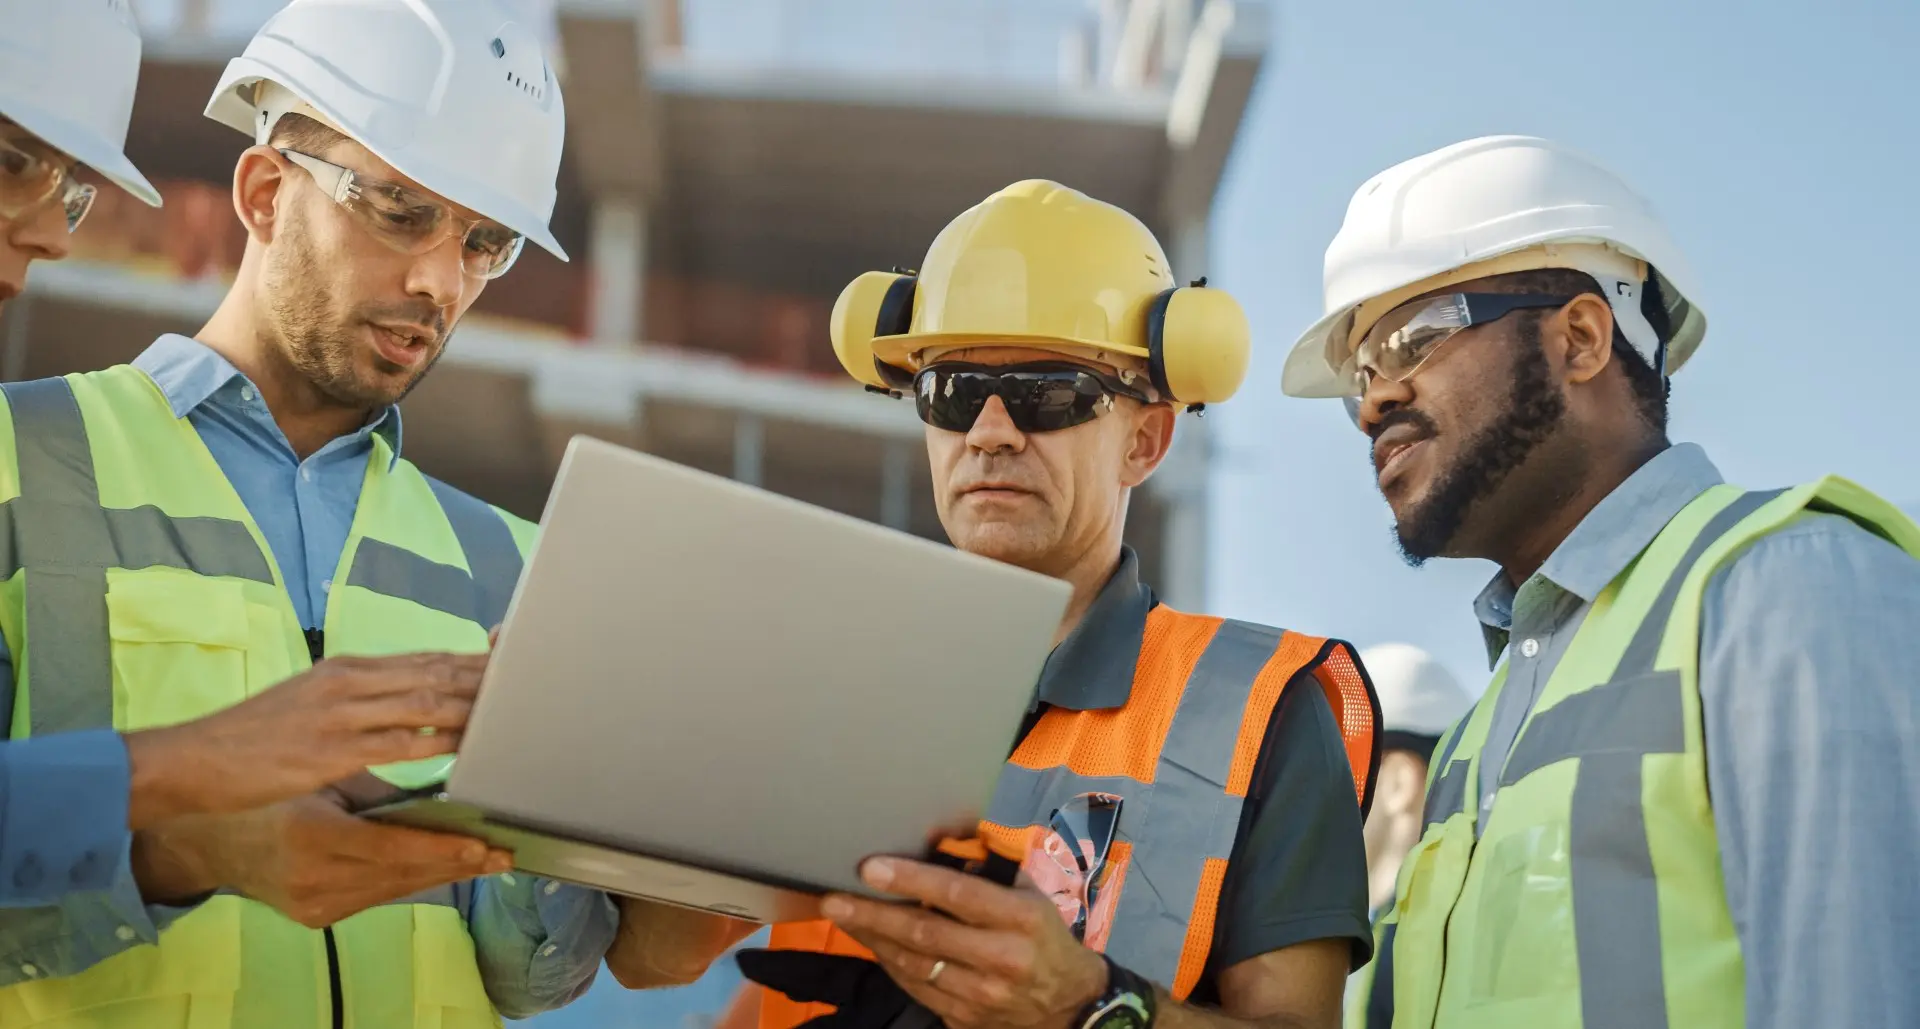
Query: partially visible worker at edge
[[231, 508], [68, 800], [1691, 795], [1419, 701], [1187, 793]]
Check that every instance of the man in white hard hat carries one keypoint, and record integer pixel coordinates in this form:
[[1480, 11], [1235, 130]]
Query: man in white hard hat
[[69, 799], [232, 508], [1419, 701], [1691, 795]]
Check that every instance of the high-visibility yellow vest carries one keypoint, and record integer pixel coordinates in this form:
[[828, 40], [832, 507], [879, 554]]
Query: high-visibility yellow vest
[[141, 593], [1591, 895]]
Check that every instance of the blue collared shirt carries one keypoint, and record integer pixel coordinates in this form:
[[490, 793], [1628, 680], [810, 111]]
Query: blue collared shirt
[[1809, 646], [538, 942]]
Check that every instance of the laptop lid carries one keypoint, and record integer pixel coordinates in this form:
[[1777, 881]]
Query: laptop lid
[[703, 671]]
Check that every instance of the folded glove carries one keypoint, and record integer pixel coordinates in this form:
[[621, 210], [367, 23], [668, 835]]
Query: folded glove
[[860, 991]]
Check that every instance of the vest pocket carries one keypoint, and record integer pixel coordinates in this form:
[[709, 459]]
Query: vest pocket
[[179, 643], [1522, 945], [1430, 885], [188, 982], [447, 988]]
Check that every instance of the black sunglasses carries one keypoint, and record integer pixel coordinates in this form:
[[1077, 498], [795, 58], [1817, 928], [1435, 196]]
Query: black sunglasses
[[1091, 819], [1041, 397]]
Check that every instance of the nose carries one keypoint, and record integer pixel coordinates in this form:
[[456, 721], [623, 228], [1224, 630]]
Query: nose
[[41, 233], [438, 276], [1380, 396], [994, 430]]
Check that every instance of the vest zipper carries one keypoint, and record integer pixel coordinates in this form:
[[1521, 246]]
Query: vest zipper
[[333, 981], [317, 649]]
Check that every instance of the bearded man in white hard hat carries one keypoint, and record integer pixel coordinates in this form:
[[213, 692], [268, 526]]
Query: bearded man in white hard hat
[[67, 79], [1419, 701], [1688, 797], [232, 508]]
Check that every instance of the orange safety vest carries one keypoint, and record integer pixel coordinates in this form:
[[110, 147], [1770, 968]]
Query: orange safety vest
[[1181, 754]]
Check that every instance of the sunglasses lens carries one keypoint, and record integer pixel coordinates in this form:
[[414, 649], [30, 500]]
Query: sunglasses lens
[[1037, 400]]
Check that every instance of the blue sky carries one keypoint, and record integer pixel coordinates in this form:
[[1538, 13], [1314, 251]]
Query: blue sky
[[1780, 147]]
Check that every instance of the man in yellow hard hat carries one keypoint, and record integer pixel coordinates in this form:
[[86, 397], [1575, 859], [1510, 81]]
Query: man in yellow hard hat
[[1187, 792], [1688, 797]]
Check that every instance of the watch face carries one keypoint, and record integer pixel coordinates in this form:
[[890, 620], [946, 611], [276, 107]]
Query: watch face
[[1125, 1011]]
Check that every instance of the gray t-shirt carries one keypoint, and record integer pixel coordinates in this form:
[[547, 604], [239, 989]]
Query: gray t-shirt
[[1298, 869]]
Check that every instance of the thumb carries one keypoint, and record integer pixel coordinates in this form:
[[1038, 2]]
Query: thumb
[[807, 976]]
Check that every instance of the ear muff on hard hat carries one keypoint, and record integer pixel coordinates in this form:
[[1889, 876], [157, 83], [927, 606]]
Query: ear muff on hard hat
[[875, 304], [1198, 345], [1198, 341]]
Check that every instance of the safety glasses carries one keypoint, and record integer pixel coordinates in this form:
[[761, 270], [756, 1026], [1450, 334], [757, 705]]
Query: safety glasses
[[1401, 341], [1085, 828], [1045, 396], [411, 221], [32, 173]]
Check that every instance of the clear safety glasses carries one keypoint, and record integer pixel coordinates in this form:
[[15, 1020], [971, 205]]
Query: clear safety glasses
[[1043, 396], [1401, 341], [32, 173], [1082, 834], [411, 221]]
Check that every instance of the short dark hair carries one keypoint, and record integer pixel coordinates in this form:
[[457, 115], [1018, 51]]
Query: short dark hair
[[1650, 390], [301, 133]]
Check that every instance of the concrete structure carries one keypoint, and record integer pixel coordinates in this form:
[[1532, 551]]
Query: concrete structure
[[715, 205]]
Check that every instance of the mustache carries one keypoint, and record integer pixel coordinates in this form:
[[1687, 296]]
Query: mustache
[[1004, 473], [423, 314], [1404, 415]]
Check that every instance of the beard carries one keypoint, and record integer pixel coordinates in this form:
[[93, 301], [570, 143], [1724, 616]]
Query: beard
[[1534, 410], [321, 341]]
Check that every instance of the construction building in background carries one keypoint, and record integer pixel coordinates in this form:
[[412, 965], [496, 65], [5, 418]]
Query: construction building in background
[[731, 164]]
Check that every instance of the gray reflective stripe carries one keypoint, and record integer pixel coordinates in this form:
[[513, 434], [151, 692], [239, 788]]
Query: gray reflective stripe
[[59, 533], [491, 551], [480, 596], [1449, 793], [1611, 728], [1174, 823]]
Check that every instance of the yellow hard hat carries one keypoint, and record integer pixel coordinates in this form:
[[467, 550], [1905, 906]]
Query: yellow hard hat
[[1041, 265]]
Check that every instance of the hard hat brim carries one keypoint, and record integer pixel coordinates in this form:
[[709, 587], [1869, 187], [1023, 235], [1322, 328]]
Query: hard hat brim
[[899, 351], [1307, 373], [86, 147]]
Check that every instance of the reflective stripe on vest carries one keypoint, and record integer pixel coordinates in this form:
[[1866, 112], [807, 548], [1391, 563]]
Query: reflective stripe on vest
[[69, 541], [1178, 822]]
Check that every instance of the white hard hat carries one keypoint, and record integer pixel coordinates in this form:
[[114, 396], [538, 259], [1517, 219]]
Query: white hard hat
[[455, 94], [1486, 207], [68, 70], [1417, 694]]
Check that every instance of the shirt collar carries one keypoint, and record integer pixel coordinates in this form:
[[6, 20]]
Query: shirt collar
[[1608, 539], [191, 374], [1092, 669]]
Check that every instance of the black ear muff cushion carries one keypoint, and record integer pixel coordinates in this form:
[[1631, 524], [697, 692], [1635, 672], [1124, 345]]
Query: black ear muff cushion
[[1156, 342], [896, 310]]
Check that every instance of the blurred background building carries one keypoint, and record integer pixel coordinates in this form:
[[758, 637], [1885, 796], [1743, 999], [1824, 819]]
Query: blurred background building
[[731, 164]]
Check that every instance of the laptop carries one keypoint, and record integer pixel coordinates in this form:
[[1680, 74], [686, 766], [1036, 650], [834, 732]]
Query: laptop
[[721, 698]]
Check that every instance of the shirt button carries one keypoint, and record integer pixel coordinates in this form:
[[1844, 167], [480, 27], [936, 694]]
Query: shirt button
[[30, 971], [547, 951], [552, 888], [326, 585], [306, 473], [246, 393], [1529, 648], [506, 877], [124, 934]]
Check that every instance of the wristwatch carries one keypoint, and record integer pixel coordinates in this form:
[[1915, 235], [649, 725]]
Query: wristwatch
[[1127, 1004]]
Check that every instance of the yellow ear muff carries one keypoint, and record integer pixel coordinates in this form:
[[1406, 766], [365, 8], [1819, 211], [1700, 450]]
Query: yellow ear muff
[[1198, 345], [875, 304]]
